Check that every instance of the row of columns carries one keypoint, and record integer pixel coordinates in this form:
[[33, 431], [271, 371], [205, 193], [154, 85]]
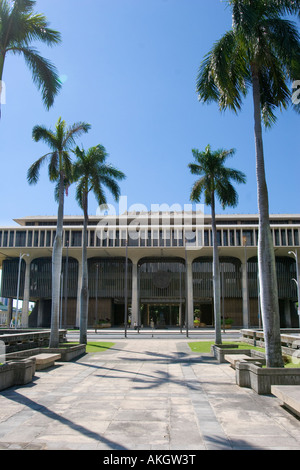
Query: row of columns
[[134, 293]]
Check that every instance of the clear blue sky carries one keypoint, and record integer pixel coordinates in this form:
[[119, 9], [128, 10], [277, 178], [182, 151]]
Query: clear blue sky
[[129, 69]]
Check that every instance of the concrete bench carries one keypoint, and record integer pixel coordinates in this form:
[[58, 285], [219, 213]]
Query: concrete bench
[[234, 358], [44, 360], [289, 395]]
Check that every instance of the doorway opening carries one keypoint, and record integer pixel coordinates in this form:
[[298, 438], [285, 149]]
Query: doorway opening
[[161, 315]]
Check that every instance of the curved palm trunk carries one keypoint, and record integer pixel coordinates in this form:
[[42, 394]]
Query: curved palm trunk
[[56, 268], [216, 275], [84, 295], [266, 256], [1, 75]]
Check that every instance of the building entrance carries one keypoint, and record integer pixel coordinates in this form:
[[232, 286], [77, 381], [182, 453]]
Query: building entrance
[[162, 315]]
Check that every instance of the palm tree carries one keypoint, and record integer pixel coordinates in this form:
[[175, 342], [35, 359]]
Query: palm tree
[[60, 171], [19, 27], [215, 182], [92, 174], [262, 52]]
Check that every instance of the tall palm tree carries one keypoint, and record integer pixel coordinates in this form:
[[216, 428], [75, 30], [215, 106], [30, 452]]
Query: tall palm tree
[[19, 27], [260, 52], [92, 174], [60, 142], [215, 183]]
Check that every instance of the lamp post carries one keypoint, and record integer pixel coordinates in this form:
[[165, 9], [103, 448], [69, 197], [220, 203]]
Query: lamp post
[[246, 287], [66, 286], [295, 254], [186, 291], [18, 288], [126, 290], [96, 303]]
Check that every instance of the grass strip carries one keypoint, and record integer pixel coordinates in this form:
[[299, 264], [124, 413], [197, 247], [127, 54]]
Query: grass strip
[[204, 347]]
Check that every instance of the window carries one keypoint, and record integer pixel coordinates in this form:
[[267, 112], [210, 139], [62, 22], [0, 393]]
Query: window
[[283, 238], [20, 239], [76, 239], [48, 238], [11, 238], [42, 238], [29, 238], [225, 238]]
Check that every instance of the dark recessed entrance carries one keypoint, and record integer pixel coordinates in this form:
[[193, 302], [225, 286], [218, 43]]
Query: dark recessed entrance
[[160, 315]]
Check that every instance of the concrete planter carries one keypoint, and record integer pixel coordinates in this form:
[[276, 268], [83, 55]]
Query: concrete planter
[[68, 353], [219, 351], [260, 379], [17, 372]]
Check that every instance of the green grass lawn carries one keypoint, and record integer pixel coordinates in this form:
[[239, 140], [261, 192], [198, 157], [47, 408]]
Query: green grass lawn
[[204, 347], [98, 346]]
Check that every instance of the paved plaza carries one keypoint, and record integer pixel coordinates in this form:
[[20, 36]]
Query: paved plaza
[[143, 394]]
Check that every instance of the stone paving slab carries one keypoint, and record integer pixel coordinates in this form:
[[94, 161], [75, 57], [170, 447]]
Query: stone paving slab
[[150, 394]]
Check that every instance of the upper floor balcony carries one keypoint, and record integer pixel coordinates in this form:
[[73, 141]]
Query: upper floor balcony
[[160, 236]]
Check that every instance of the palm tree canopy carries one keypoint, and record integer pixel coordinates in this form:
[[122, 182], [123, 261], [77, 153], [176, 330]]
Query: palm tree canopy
[[60, 141], [215, 177], [262, 41], [93, 173], [19, 27]]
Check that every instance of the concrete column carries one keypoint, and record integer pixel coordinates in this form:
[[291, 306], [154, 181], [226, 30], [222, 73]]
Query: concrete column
[[25, 306], [134, 296], [245, 294], [189, 298], [40, 315], [287, 314], [9, 311], [298, 286], [78, 293]]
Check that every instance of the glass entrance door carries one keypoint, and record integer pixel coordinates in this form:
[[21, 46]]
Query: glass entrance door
[[161, 315]]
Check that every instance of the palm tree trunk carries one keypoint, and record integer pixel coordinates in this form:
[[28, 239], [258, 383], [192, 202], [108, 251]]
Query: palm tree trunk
[[266, 255], [216, 275], [2, 56], [56, 268], [84, 295]]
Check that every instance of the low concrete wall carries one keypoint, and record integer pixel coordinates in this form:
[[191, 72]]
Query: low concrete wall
[[22, 340], [260, 379], [18, 372], [67, 353], [290, 339], [219, 352]]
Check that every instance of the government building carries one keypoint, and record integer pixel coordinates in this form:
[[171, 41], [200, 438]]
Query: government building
[[155, 266]]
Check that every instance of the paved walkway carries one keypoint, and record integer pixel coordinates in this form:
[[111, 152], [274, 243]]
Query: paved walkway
[[144, 394]]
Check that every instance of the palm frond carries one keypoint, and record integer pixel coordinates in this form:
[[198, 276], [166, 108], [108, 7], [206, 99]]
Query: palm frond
[[223, 74], [46, 135], [37, 29], [216, 178], [53, 169], [74, 131], [198, 189], [44, 74], [34, 170]]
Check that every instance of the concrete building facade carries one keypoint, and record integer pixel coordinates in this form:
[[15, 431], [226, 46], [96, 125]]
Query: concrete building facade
[[159, 265]]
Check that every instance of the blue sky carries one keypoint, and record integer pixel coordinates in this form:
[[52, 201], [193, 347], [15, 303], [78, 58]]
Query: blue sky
[[129, 69]]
